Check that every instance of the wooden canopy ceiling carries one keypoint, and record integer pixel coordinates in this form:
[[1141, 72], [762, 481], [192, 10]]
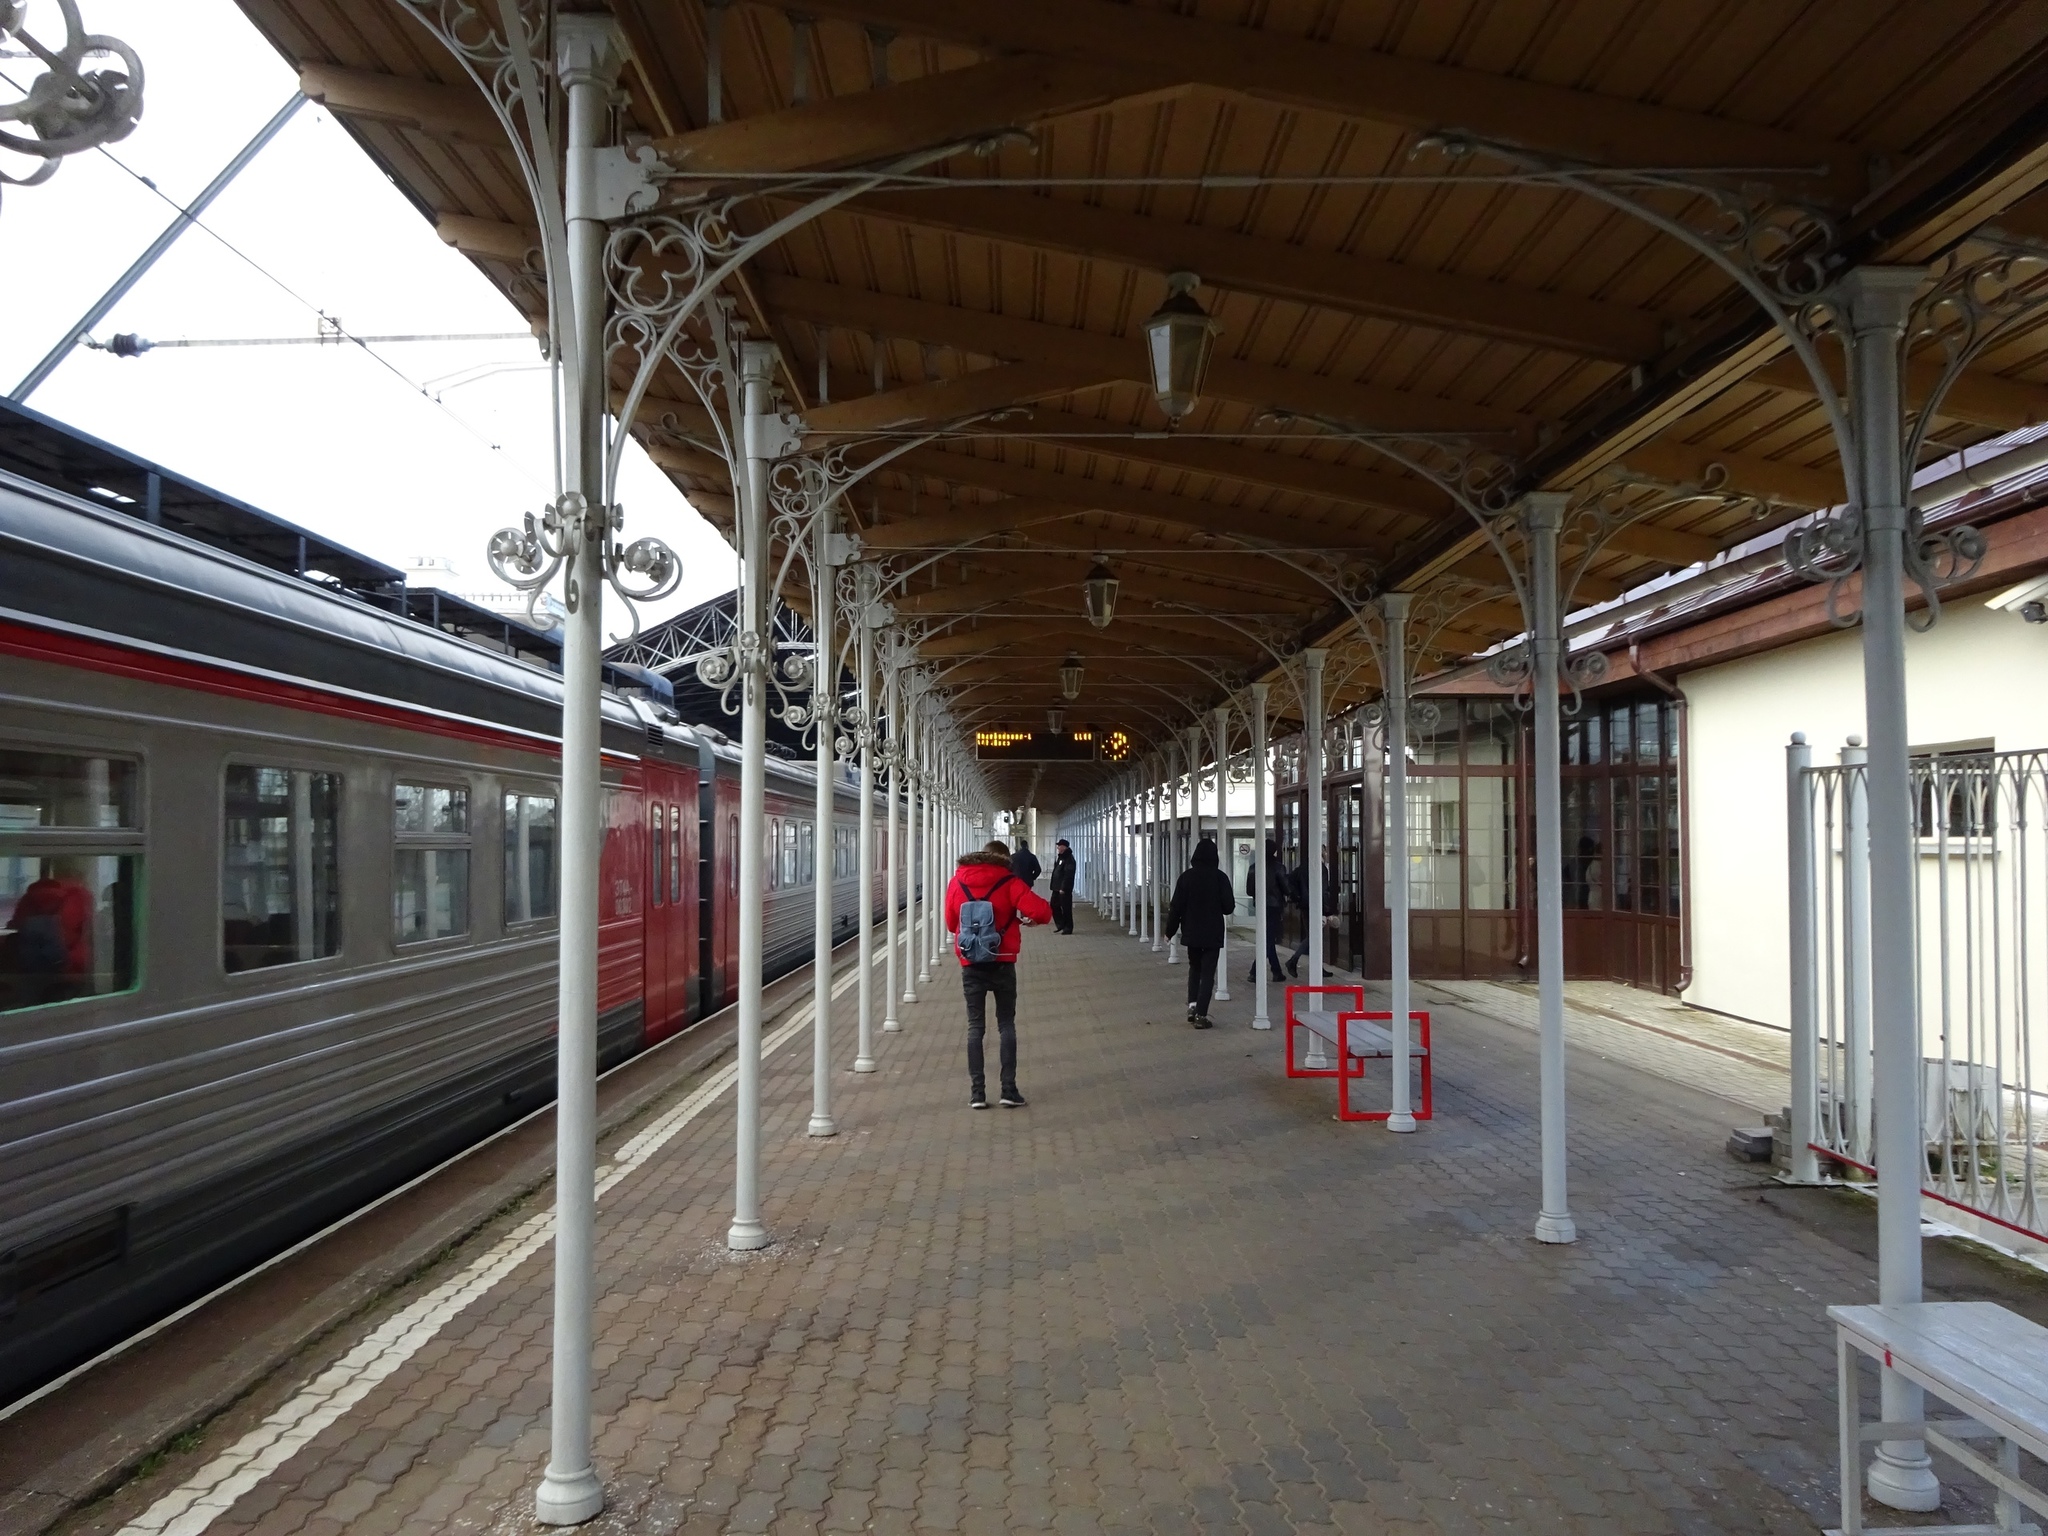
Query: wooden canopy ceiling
[[1524, 318]]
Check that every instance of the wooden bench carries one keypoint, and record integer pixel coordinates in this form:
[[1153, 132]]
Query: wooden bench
[[1358, 1036], [1990, 1364]]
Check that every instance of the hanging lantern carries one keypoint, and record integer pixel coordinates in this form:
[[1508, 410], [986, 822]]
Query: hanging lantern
[[1070, 671], [1055, 719], [1099, 592], [1179, 337]]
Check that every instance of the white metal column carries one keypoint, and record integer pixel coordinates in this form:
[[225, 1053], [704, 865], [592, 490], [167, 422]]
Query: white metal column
[[589, 53], [825, 722], [1394, 657], [1879, 301], [1155, 794], [1543, 514], [1312, 822], [757, 370], [864, 615], [1261, 830], [896, 873], [1222, 719], [1803, 944], [913, 843]]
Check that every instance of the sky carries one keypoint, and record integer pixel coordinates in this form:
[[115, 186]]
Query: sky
[[354, 448]]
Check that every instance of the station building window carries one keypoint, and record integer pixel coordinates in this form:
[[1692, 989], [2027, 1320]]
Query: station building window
[[430, 889], [280, 870], [70, 867], [531, 880]]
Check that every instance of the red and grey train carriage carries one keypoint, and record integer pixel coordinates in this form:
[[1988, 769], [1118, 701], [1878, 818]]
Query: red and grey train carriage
[[278, 900]]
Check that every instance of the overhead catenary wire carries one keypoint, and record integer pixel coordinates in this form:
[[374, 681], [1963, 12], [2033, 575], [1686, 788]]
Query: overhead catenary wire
[[342, 333]]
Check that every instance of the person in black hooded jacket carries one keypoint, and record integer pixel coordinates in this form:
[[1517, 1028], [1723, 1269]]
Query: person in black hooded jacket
[[1202, 898]]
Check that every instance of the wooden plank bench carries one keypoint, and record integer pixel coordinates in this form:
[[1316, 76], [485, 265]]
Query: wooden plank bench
[[1358, 1036], [1988, 1363]]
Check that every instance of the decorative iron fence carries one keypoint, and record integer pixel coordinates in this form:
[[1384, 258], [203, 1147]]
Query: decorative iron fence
[[1980, 910]]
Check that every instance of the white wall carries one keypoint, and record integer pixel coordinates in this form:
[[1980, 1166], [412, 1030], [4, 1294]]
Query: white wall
[[1977, 674]]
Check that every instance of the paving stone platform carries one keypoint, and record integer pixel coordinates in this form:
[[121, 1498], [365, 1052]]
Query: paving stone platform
[[1174, 1295]]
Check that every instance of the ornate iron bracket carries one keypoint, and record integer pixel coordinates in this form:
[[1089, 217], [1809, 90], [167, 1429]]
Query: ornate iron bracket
[[89, 93]]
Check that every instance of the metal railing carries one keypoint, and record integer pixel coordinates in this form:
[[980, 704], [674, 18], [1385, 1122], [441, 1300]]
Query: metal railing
[[1980, 910]]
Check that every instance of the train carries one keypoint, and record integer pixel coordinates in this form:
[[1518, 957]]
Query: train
[[278, 906]]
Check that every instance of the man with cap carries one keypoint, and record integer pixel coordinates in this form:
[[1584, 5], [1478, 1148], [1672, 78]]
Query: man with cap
[[1063, 888]]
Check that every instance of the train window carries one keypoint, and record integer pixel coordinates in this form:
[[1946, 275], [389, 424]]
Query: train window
[[806, 852], [789, 865], [280, 888], [675, 853], [529, 858], [430, 891], [732, 862], [657, 856], [772, 865], [70, 863]]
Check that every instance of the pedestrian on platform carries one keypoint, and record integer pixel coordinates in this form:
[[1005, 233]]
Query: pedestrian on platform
[[1301, 900], [1063, 888], [1024, 865], [985, 903], [1275, 914], [1202, 898]]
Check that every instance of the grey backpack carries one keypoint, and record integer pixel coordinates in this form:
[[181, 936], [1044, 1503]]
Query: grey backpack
[[981, 939]]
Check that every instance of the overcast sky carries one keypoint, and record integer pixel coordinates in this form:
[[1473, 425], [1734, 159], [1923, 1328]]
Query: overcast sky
[[324, 436]]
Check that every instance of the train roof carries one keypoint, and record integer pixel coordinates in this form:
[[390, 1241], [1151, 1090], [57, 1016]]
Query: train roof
[[214, 579]]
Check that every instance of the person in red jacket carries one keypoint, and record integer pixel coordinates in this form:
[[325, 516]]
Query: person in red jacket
[[986, 877]]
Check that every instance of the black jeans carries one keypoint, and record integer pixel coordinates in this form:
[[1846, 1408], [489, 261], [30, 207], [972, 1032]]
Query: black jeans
[[997, 979], [1272, 955], [1202, 978], [1063, 911]]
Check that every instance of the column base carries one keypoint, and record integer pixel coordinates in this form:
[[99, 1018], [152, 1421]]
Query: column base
[[1556, 1228], [746, 1236], [822, 1125], [568, 1500], [864, 1063], [1403, 1122], [1262, 1022], [909, 996], [891, 1027], [1898, 1479]]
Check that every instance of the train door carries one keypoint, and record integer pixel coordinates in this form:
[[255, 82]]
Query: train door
[[670, 932], [725, 887]]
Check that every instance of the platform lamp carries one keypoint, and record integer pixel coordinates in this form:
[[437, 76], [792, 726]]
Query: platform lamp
[[1179, 336], [1070, 676], [1055, 719], [1098, 591]]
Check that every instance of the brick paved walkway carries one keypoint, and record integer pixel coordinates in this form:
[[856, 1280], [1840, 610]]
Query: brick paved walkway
[[1173, 1295]]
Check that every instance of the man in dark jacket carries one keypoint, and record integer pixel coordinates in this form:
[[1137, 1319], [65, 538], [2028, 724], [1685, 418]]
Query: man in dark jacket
[[986, 876], [1025, 865], [1202, 898], [1276, 909], [1329, 912], [1063, 888]]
